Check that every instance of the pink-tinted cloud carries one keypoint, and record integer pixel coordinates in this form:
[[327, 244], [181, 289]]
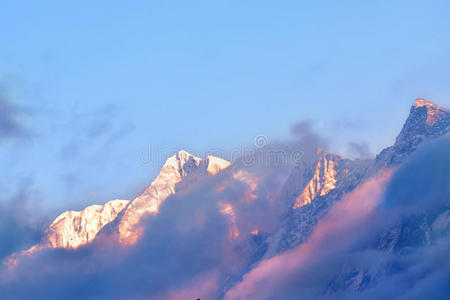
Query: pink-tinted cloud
[[332, 234]]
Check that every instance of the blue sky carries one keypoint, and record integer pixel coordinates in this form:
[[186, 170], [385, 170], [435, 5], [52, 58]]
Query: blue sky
[[97, 83]]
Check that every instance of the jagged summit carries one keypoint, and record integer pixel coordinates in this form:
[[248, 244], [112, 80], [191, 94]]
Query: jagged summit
[[184, 162], [429, 111], [181, 163], [183, 153], [424, 102], [181, 157], [426, 121]]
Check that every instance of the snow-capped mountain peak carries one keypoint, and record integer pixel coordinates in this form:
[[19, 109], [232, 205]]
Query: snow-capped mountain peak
[[182, 162]]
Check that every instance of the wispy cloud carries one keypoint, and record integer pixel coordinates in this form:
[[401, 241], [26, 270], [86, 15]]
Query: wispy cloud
[[11, 118], [99, 128], [360, 150]]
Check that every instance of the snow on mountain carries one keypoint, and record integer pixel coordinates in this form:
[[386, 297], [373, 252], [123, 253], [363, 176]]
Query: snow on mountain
[[181, 166], [72, 229], [322, 181]]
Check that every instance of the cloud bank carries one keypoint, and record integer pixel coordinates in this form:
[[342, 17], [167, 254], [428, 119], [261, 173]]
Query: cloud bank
[[204, 239]]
